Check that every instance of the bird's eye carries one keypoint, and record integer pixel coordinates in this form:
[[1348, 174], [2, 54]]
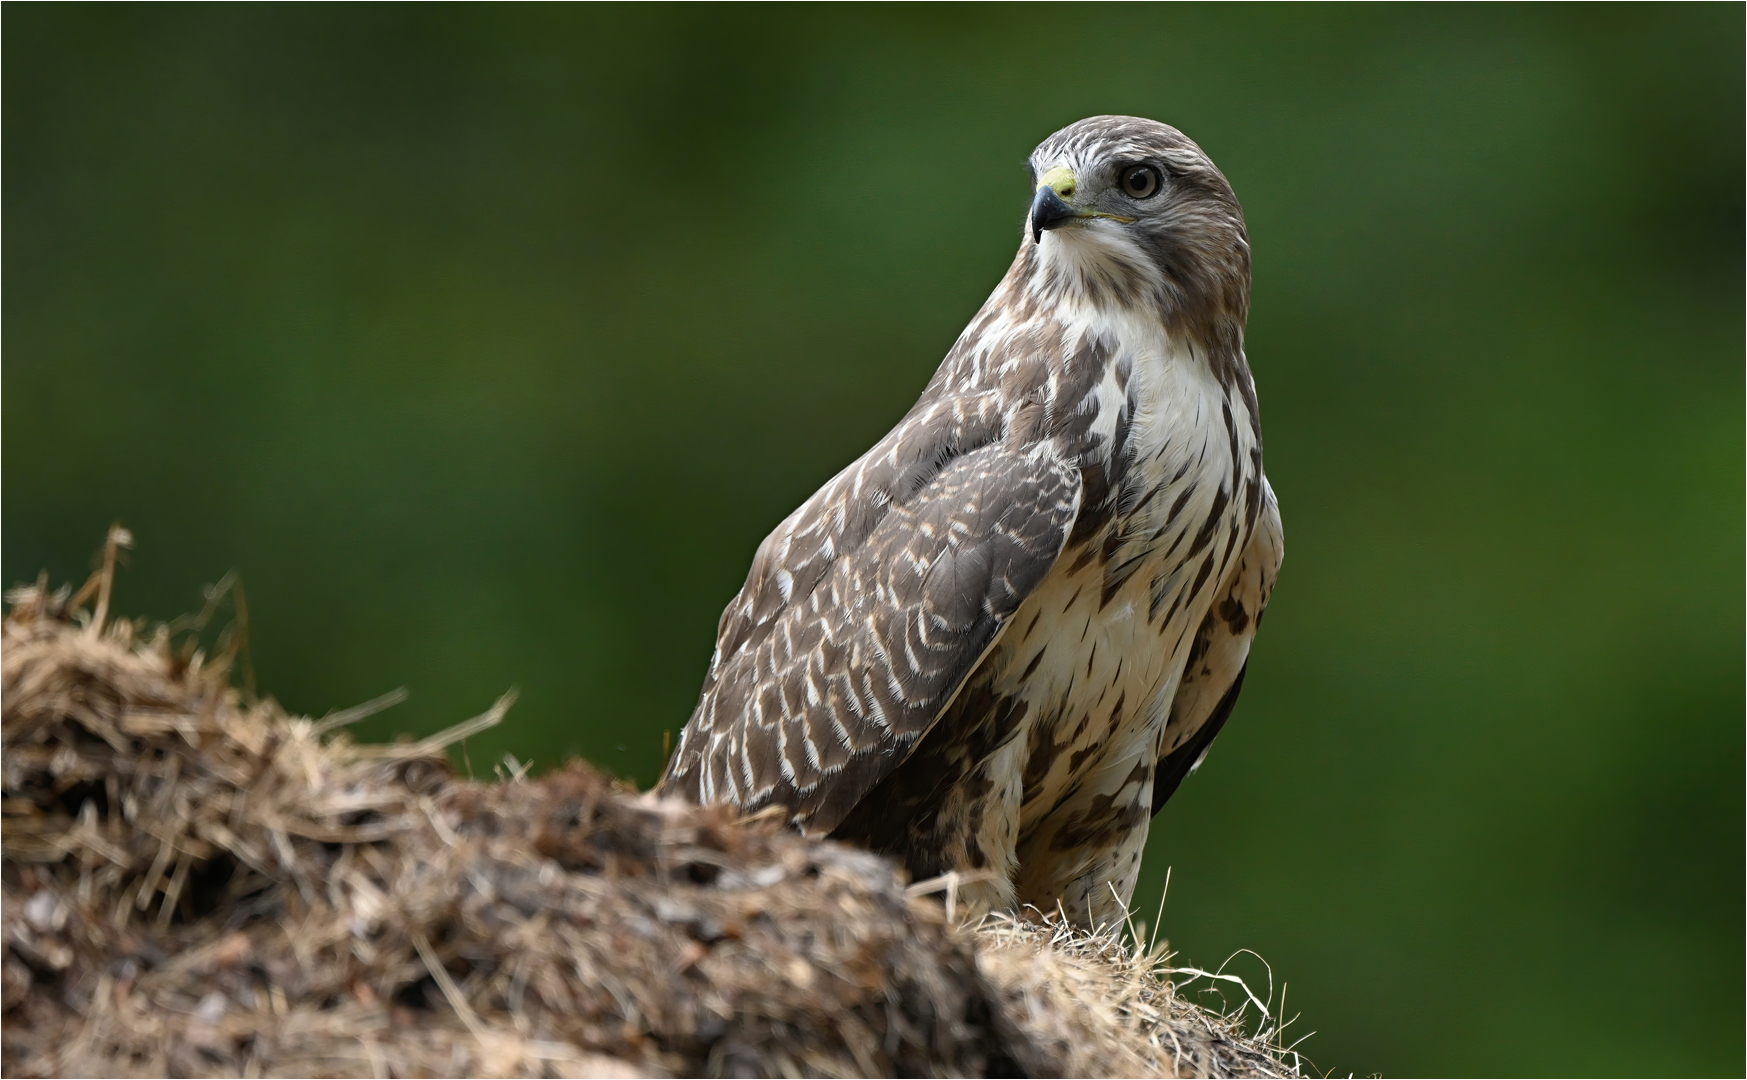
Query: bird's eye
[[1140, 181]]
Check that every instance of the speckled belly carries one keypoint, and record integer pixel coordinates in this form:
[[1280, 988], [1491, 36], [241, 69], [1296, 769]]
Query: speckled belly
[[1096, 654], [1098, 674]]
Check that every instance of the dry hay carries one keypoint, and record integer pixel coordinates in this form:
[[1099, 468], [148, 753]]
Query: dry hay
[[198, 885], [1096, 1006]]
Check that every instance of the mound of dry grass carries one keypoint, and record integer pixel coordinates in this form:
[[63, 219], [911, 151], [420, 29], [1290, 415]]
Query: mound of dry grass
[[1097, 1006], [198, 885]]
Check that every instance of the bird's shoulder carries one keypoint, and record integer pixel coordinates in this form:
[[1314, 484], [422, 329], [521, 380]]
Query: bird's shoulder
[[1017, 385]]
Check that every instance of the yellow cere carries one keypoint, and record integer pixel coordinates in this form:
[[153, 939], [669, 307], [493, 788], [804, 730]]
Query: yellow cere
[[1061, 178]]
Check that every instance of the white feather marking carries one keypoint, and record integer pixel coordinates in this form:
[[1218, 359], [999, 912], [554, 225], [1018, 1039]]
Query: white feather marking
[[807, 745], [876, 712], [910, 656], [786, 766]]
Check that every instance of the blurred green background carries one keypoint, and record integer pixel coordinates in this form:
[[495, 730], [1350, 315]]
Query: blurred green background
[[487, 342]]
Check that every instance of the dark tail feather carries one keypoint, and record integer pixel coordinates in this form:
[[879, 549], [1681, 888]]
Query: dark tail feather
[[1183, 760]]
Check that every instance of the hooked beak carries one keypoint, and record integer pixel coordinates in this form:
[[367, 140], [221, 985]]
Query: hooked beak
[[1050, 208], [1048, 211]]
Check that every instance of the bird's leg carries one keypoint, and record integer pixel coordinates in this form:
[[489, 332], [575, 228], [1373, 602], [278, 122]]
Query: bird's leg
[[978, 829], [1085, 856], [954, 808]]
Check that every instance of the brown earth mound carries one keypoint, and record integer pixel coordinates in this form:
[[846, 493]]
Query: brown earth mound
[[198, 886]]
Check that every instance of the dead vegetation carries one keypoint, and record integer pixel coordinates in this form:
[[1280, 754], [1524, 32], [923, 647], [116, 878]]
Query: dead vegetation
[[199, 885]]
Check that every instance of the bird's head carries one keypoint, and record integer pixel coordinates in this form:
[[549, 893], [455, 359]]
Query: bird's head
[[1130, 211]]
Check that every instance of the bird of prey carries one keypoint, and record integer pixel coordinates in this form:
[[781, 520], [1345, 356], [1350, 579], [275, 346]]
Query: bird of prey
[[999, 640]]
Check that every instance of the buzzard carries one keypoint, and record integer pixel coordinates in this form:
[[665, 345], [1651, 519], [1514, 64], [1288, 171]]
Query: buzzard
[[999, 640]]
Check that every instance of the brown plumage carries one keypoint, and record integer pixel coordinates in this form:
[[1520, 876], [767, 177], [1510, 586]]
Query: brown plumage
[[999, 640]]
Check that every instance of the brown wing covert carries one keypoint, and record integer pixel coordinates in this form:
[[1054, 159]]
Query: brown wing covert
[[865, 611]]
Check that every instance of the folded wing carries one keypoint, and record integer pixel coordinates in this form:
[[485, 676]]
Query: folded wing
[[865, 611]]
